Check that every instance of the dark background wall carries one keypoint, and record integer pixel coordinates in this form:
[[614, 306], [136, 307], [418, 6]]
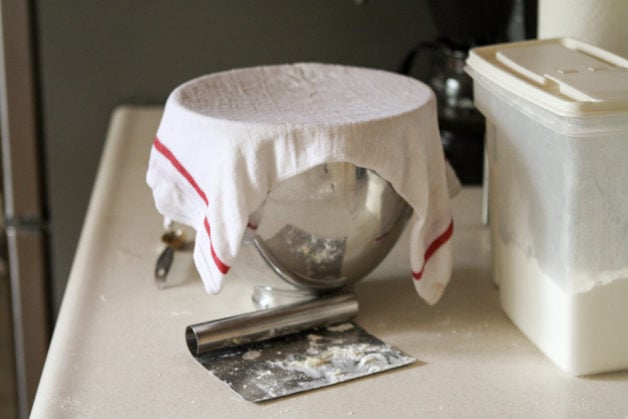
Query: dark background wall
[[95, 55]]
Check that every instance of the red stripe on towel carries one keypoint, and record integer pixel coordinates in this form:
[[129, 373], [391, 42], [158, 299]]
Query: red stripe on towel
[[165, 151], [433, 247], [219, 264]]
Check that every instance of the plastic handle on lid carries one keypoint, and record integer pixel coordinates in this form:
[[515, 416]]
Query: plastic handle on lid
[[576, 74]]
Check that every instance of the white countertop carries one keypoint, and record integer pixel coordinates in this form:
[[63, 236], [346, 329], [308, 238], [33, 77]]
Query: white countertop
[[118, 349]]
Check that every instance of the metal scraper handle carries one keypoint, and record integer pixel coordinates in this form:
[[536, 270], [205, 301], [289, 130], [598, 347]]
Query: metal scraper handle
[[265, 324]]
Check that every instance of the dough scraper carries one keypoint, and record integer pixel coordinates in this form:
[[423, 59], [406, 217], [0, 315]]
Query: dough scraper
[[279, 351]]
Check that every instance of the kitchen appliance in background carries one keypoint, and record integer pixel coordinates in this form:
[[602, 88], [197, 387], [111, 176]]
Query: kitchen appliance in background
[[22, 191], [463, 24]]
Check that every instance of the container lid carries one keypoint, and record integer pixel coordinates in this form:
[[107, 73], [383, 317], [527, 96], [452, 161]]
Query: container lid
[[565, 76]]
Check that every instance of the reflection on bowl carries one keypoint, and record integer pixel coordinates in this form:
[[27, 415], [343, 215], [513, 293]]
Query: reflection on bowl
[[330, 226]]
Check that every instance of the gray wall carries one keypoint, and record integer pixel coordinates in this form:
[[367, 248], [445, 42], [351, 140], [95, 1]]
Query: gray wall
[[96, 54]]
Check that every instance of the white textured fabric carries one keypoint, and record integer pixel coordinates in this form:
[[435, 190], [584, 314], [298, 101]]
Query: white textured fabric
[[227, 138]]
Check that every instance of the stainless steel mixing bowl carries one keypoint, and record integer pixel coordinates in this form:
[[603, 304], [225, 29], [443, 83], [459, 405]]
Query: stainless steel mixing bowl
[[330, 226]]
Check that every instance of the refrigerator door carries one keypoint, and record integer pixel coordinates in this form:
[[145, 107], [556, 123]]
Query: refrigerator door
[[20, 150], [27, 268], [23, 196]]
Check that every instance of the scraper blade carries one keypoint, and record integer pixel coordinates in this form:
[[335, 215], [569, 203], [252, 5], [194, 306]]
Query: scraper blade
[[301, 361]]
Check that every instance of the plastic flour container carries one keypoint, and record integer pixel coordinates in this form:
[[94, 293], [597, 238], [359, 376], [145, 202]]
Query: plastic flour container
[[557, 148]]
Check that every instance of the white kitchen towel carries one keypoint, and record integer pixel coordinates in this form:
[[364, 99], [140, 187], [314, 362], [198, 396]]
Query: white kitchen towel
[[226, 139]]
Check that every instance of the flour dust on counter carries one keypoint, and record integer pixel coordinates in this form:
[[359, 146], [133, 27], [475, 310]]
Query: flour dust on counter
[[302, 361]]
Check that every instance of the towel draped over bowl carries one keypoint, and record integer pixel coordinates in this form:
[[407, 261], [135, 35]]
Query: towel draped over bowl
[[226, 139]]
